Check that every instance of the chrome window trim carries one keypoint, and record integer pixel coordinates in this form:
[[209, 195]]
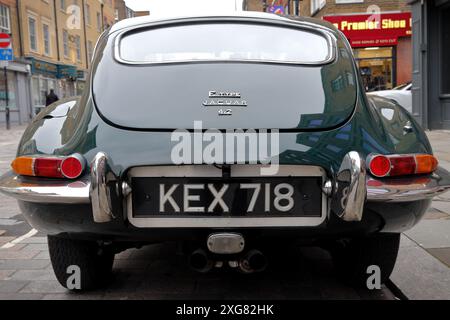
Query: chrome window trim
[[225, 222], [329, 37]]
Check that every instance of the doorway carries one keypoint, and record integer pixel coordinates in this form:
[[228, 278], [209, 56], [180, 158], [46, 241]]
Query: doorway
[[377, 67]]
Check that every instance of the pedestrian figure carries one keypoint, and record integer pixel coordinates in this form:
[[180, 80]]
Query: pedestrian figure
[[51, 98]]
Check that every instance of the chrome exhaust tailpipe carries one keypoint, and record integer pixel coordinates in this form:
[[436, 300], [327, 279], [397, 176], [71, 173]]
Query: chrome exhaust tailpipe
[[200, 262], [254, 261]]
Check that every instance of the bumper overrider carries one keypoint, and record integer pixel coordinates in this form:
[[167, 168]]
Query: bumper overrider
[[346, 193]]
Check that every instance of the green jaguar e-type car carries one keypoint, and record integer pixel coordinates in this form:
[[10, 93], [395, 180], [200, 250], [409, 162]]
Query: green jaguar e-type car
[[228, 134]]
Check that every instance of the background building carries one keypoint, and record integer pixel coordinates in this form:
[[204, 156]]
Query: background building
[[14, 76], [53, 43], [122, 11], [378, 30], [431, 63]]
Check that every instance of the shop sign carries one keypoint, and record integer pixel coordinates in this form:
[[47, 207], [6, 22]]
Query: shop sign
[[367, 30], [81, 75], [67, 72], [43, 67], [58, 71]]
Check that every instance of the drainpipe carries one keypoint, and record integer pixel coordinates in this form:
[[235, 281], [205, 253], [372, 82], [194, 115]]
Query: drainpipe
[[58, 55], [19, 22], [85, 34]]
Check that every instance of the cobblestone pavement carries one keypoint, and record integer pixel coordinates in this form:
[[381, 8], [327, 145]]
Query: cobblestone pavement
[[159, 272]]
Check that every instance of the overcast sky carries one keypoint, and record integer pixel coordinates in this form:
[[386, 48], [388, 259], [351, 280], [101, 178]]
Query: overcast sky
[[165, 7]]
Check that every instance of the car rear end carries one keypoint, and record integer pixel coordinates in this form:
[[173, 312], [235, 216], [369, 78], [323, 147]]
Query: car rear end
[[203, 130]]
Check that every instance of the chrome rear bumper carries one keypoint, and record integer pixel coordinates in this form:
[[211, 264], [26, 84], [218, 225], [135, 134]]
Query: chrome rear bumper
[[93, 189], [45, 191], [408, 189]]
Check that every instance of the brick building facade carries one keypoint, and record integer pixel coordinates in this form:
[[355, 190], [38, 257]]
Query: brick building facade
[[383, 53], [53, 43]]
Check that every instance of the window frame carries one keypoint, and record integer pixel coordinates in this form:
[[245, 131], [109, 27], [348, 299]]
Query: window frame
[[7, 17], [36, 34], [87, 14], [66, 49], [78, 48], [315, 29], [49, 44]]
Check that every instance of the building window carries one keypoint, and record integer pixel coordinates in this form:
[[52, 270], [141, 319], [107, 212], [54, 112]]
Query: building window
[[90, 49], [66, 43], [5, 25], [62, 4], [445, 51], [78, 46], [32, 32], [46, 34], [87, 12], [317, 5], [99, 22]]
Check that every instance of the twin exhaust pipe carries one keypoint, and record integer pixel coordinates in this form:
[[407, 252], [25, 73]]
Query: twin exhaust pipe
[[251, 262], [227, 247]]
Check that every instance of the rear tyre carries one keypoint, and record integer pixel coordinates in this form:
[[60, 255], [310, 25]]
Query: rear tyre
[[71, 257], [353, 258]]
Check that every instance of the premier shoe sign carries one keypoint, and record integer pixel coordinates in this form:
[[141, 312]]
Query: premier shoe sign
[[380, 29]]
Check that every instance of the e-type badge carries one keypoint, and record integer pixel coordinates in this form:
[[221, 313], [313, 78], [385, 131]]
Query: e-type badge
[[225, 99]]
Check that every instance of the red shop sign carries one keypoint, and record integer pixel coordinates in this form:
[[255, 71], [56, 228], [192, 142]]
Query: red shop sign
[[366, 30]]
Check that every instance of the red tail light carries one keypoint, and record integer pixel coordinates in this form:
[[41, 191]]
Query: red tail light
[[380, 166], [70, 167], [401, 165]]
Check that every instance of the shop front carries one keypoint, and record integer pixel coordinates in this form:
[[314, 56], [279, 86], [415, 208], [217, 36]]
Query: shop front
[[48, 76], [382, 46], [15, 92]]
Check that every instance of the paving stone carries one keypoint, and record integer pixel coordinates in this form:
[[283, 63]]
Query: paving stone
[[4, 240], [24, 264], [434, 213], [16, 247], [12, 286], [36, 246], [21, 296], [2, 232], [443, 206], [6, 254], [431, 233], [43, 255], [35, 240], [43, 287], [443, 254], [32, 275], [4, 274], [9, 222], [421, 276]]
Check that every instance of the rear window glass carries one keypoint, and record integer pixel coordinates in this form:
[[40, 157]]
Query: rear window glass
[[224, 42]]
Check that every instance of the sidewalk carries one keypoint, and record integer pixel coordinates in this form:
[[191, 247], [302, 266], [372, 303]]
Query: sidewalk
[[423, 267]]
